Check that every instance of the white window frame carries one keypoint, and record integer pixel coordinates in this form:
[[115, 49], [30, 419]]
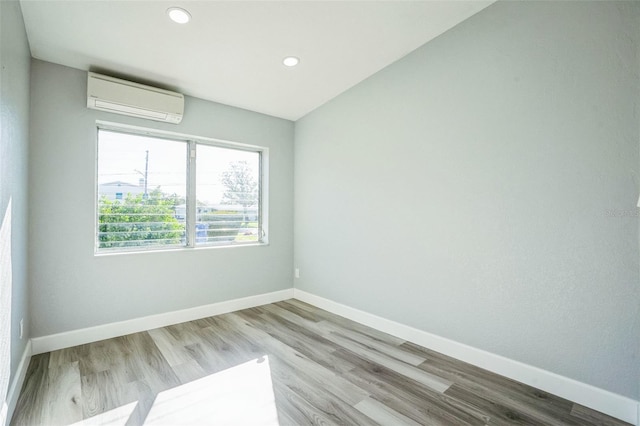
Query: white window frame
[[190, 197]]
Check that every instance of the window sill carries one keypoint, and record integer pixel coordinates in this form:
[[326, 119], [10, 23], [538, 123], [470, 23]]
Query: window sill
[[108, 253]]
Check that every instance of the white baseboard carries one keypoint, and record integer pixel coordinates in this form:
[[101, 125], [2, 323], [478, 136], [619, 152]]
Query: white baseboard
[[590, 396], [16, 384], [92, 334]]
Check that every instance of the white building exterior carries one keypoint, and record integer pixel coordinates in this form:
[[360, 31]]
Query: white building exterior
[[118, 190]]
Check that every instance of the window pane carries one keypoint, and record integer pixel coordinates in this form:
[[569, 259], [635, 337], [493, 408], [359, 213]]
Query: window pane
[[227, 195], [141, 191]]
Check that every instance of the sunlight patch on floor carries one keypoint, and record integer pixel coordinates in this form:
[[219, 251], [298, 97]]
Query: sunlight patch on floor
[[116, 417], [241, 395]]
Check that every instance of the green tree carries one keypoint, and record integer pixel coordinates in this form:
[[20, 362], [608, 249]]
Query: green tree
[[137, 221], [241, 186]]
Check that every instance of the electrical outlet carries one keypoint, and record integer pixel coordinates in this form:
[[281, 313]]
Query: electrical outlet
[[22, 328], [297, 273]]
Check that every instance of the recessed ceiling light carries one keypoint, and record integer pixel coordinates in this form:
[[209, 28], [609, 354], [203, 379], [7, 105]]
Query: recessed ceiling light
[[178, 15], [291, 61]]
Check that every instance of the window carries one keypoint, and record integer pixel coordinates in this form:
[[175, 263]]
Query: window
[[157, 192]]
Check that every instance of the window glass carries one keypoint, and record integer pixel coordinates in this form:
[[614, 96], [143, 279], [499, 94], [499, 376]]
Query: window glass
[[141, 181], [227, 195]]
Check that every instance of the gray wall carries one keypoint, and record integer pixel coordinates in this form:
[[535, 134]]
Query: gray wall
[[72, 288], [467, 189], [14, 121]]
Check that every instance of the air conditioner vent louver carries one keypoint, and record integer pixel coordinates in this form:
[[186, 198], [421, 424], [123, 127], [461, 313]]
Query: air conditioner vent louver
[[137, 100]]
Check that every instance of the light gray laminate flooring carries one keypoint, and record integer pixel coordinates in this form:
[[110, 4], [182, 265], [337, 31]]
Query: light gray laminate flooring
[[286, 363]]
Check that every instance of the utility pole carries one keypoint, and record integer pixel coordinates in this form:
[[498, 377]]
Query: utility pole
[[146, 174]]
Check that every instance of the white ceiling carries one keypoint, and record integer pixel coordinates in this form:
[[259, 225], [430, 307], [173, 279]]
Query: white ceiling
[[231, 52]]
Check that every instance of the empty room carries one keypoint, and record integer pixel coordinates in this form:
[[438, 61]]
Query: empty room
[[319, 212]]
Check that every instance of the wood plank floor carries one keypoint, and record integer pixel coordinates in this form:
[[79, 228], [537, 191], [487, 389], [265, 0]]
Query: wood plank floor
[[286, 363]]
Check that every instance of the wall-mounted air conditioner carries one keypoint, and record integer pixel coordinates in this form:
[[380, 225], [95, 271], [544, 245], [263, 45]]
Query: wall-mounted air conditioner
[[137, 100]]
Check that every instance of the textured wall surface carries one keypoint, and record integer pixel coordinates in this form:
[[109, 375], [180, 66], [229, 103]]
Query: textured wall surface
[[484, 189], [72, 288], [14, 126]]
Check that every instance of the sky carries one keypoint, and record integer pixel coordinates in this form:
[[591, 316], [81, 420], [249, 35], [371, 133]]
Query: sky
[[121, 157]]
